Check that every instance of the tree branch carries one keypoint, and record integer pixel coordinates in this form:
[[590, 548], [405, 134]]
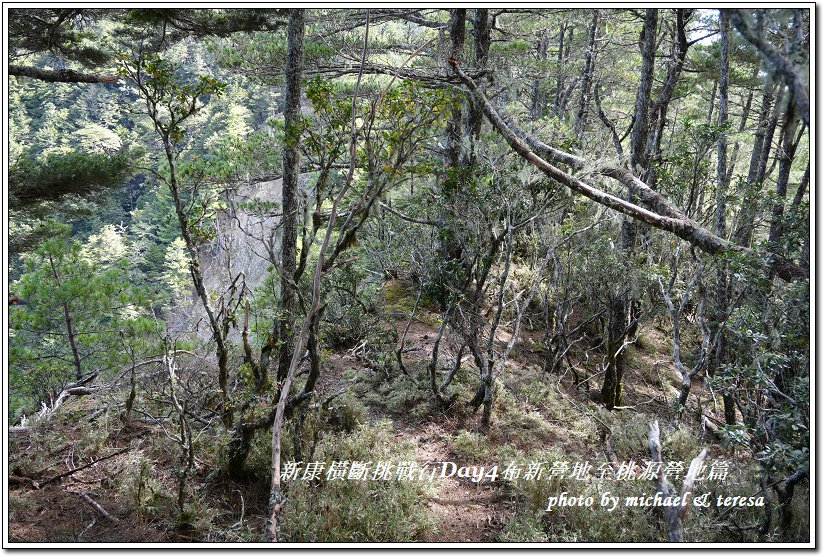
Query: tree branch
[[793, 75], [63, 76], [662, 214]]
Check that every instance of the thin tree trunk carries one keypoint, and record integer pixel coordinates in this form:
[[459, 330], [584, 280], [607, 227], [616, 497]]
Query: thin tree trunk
[[78, 372], [621, 307], [767, 122], [785, 157], [723, 100], [661, 105], [559, 78], [276, 498], [722, 283], [221, 351], [536, 108], [289, 189], [586, 76], [712, 102], [67, 319], [745, 114], [457, 34], [801, 191], [475, 115]]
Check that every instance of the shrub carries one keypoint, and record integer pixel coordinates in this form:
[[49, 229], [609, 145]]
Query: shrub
[[352, 510]]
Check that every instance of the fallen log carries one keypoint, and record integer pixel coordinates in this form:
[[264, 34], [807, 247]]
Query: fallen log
[[80, 391], [100, 510], [23, 480]]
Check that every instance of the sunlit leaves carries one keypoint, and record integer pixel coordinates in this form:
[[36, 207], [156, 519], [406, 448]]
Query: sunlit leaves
[[170, 97]]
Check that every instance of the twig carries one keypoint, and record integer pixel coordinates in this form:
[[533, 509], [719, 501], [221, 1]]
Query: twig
[[79, 468]]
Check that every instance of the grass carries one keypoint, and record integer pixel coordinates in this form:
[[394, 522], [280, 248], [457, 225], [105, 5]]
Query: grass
[[358, 511]]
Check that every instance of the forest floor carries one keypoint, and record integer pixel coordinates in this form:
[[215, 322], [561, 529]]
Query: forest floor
[[64, 509]]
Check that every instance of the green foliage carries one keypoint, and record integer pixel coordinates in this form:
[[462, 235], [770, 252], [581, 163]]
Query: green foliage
[[68, 297], [170, 100], [351, 313], [54, 30], [471, 447], [33, 180], [397, 395], [176, 275], [213, 96]]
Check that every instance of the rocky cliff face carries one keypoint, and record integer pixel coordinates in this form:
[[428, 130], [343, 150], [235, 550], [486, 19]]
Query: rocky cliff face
[[246, 233]]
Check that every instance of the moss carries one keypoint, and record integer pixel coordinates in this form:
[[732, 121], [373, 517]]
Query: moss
[[397, 295], [399, 299]]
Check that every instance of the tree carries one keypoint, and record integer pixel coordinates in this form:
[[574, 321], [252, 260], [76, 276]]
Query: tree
[[659, 212], [74, 306], [289, 188], [59, 31], [786, 66], [58, 175], [169, 105]]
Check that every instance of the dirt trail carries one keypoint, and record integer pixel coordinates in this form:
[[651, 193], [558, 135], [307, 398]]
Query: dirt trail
[[463, 511]]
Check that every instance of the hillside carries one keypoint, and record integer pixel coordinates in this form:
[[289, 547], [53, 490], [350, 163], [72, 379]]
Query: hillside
[[430, 275], [371, 411]]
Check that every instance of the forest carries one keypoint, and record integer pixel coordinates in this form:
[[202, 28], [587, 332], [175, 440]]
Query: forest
[[480, 275]]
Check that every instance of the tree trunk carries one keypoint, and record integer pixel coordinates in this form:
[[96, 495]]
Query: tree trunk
[[221, 351], [722, 283], [758, 164], [661, 106], [674, 514], [457, 34], [289, 190], [291, 164], [615, 360], [78, 372], [475, 115], [785, 158], [559, 78], [67, 320], [621, 310], [449, 250], [745, 114], [536, 108], [587, 73], [276, 497], [786, 490], [723, 99], [640, 126]]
